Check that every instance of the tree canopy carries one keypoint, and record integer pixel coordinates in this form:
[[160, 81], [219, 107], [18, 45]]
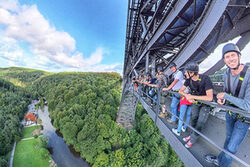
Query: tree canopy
[[13, 105], [83, 107]]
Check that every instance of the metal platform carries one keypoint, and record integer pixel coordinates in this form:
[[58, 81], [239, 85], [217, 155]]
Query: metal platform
[[214, 130]]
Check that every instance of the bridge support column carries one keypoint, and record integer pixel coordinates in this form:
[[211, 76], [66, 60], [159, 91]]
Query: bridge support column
[[147, 61], [153, 66], [126, 113]]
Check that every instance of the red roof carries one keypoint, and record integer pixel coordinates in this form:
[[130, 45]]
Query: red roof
[[30, 117]]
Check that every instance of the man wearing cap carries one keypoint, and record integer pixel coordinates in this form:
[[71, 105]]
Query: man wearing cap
[[237, 94], [201, 88], [175, 86]]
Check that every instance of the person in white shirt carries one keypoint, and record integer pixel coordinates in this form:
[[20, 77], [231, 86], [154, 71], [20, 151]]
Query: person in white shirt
[[175, 86]]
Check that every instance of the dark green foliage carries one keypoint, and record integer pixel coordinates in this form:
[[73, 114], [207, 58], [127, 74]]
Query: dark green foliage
[[44, 153], [43, 141], [13, 105], [3, 162], [24, 75], [157, 151], [83, 106]]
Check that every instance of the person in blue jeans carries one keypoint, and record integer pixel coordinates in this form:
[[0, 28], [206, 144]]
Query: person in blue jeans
[[201, 88], [161, 83], [185, 107], [151, 92], [237, 94], [175, 86]]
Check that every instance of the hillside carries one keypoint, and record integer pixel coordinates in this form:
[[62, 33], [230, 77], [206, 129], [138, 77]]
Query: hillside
[[21, 76], [83, 107], [13, 105]]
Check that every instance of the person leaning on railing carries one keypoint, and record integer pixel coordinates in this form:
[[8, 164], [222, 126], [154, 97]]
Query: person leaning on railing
[[237, 94], [201, 88], [151, 92], [175, 86], [147, 82], [185, 109], [135, 83], [143, 86], [161, 83]]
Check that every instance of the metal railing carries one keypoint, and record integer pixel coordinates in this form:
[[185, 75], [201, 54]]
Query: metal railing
[[211, 104]]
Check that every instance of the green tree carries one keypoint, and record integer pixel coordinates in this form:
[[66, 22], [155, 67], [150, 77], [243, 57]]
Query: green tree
[[101, 160], [43, 141], [69, 131], [3, 162], [44, 153], [118, 158], [83, 106]]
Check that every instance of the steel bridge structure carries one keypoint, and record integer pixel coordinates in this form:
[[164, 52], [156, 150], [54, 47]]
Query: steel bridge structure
[[163, 31]]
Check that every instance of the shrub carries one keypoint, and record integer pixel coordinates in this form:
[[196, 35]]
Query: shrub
[[44, 141]]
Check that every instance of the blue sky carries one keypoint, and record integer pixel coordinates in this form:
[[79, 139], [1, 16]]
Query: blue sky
[[63, 35], [69, 35]]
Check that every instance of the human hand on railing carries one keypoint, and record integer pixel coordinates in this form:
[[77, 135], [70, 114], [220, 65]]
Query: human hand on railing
[[221, 101], [190, 98], [153, 86], [220, 98], [165, 89], [221, 95]]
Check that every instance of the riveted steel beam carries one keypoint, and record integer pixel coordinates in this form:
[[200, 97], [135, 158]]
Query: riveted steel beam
[[209, 21]]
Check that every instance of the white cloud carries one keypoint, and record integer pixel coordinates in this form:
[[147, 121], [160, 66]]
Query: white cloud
[[100, 68], [10, 50], [9, 4], [26, 24], [11, 54]]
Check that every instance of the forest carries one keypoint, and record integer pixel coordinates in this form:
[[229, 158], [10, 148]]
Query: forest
[[13, 105], [83, 107]]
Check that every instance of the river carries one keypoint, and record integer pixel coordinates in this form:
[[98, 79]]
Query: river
[[62, 155]]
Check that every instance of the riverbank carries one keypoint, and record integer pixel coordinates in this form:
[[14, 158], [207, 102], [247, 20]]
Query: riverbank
[[61, 152]]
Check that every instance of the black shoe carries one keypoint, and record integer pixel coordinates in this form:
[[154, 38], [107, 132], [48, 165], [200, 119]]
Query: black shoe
[[212, 159]]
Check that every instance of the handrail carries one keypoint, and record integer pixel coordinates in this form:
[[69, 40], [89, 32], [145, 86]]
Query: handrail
[[212, 104], [223, 107]]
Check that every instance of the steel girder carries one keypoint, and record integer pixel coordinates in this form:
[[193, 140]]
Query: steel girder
[[180, 31], [162, 30], [212, 32]]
